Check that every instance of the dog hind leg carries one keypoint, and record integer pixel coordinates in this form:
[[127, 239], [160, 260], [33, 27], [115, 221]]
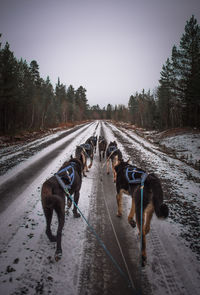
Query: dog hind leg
[[76, 198], [99, 155], [91, 161], [143, 250], [119, 203], [131, 214], [84, 164], [48, 214], [107, 162], [61, 221], [148, 215], [115, 162]]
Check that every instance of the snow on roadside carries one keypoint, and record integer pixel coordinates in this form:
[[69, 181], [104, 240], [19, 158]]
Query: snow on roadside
[[10, 151], [15, 154], [12, 172], [185, 146]]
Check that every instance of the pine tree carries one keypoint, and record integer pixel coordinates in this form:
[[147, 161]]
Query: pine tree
[[81, 106], [71, 102], [109, 111], [47, 116], [8, 94], [61, 103], [35, 88], [165, 95], [133, 108], [176, 107], [190, 72]]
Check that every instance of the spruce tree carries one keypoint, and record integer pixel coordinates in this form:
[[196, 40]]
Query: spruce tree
[[190, 72], [165, 95], [9, 91]]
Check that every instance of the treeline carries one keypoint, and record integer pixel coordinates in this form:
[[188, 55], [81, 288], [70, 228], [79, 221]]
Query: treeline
[[179, 90], [28, 102], [141, 111], [176, 102]]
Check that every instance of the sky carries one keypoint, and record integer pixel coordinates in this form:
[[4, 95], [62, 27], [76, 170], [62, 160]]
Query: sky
[[112, 48]]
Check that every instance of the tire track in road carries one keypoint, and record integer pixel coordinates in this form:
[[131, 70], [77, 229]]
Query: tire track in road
[[99, 275], [169, 277]]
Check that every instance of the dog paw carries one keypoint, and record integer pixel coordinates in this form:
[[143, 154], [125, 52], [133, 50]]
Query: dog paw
[[77, 215], [132, 223], [144, 260], [119, 214], [58, 255]]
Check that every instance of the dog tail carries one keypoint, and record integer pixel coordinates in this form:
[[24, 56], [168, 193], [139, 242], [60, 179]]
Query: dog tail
[[161, 209]]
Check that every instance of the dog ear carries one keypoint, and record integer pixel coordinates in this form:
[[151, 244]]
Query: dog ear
[[71, 157]]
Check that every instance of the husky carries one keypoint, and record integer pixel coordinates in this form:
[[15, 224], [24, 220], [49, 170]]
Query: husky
[[129, 180]]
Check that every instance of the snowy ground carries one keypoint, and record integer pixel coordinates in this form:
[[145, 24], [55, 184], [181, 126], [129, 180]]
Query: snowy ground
[[27, 263], [185, 146]]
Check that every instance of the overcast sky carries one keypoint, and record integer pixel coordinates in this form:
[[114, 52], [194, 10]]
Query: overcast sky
[[113, 48]]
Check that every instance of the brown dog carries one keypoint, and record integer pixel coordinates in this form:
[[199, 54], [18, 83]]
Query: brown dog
[[53, 198], [83, 152], [102, 143], [113, 154]]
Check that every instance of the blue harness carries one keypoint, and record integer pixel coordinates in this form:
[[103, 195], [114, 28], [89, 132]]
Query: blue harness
[[93, 138], [86, 146], [67, 175], [134, 176], [112, 149]]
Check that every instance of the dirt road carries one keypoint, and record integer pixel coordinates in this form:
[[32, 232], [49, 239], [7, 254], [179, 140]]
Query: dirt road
[[27, 264]]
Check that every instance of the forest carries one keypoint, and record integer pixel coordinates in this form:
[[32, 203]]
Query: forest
[[28, 102]]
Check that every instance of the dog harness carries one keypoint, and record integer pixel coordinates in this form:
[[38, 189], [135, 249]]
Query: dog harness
[[112, 149], [134, 176], [67, 175], [86, 146], [93, 138]]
